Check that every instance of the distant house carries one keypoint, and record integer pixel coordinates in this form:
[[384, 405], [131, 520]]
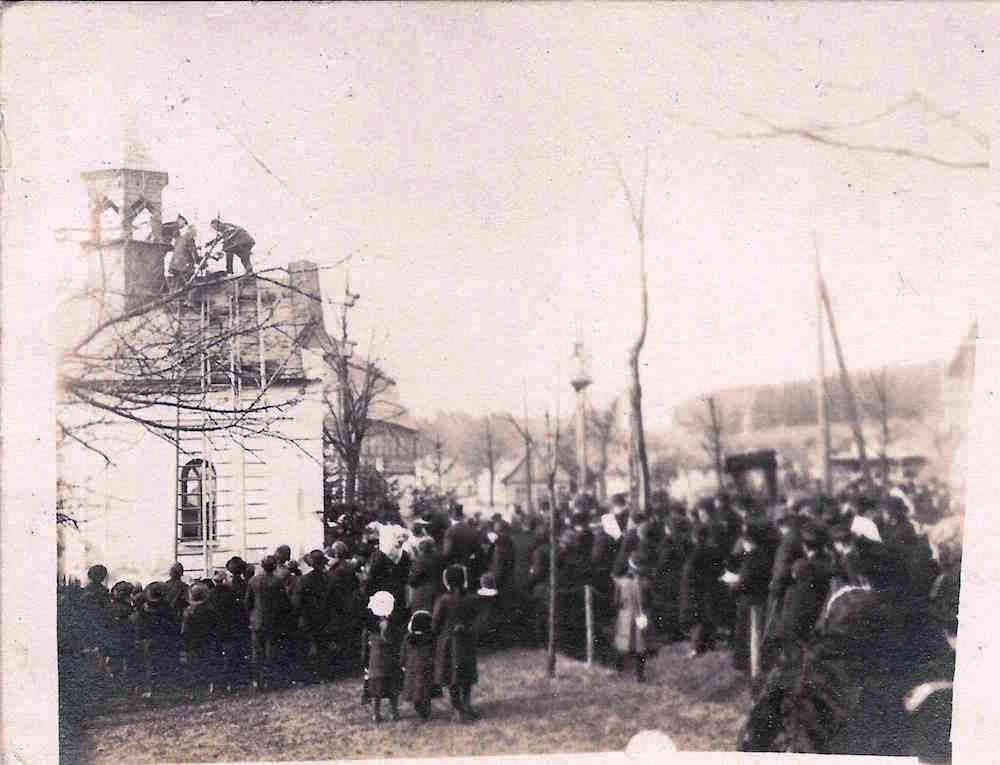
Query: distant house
[[515, 483]]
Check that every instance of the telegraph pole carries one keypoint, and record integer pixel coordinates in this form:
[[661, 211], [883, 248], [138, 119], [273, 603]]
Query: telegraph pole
[[845, 378], [344, 353], [580, 382], [823, 412]]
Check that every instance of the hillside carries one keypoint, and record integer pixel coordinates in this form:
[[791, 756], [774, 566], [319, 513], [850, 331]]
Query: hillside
[[915, 393]]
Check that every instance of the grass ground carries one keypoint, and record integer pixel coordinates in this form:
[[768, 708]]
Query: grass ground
[[697, 702]]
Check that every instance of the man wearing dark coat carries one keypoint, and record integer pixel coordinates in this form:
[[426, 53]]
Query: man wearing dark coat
[[346, 605], [462, 545], [750, 590], [390, 573], [811, 576], [157, 633], [230, 625], [235, 241], [673, 551], [700, 587], [311, 599], [500, 566], [176, 592], [268, 605]]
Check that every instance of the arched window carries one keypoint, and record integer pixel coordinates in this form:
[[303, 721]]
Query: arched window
[[196, 492]]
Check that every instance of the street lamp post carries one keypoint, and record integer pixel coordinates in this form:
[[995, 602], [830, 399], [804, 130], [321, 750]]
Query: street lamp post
[[581, 381]]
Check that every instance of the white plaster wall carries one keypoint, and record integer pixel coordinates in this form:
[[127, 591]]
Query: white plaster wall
[[126, 511]]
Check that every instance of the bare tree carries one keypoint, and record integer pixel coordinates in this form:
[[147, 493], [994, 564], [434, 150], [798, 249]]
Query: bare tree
[[356, 403], [640, 488], [441, 463], [878, 403], [831, 135], [524, 432], [484, 450], [213, 355], [173, 352], [711, 427], [350, 416], [603, 430]]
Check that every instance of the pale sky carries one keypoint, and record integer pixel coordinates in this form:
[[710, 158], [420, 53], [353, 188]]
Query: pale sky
[[462, 155]]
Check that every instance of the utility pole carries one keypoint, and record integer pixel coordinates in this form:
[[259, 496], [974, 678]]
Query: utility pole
[[823, 413], [580, 382], [347, 425], [553, 554], [852, 404]]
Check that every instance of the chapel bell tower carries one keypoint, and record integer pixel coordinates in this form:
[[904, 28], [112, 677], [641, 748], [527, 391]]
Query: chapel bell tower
[[126, 218]]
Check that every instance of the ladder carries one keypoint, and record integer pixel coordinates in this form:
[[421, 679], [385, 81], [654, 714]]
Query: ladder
[[220, 468]]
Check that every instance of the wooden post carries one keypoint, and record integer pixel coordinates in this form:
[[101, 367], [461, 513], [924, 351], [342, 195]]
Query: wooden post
[[823, 414], [852, 404], [756, 634], [553, 555], [588, 599]]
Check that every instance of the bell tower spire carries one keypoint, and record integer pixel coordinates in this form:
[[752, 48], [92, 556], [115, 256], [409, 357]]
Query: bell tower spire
[[123, 201]]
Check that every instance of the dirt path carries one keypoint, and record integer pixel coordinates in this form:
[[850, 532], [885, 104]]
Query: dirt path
[[697, 702]]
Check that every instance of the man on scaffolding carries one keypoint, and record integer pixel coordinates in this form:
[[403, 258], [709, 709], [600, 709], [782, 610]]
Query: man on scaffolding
[[184, 260], [234, 240]]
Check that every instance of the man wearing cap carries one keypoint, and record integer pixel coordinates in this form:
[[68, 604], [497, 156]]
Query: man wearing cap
[[267, 603], [184, 260], [158, 634], [235, 241], [170, 230], [237, 569], [176, 592], [198, 639], [311, 598]]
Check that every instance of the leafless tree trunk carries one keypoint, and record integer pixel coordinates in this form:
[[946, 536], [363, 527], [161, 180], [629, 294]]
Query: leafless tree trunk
[[441, 463], [489, 451], [604, 425], [351, 407], [484, 449], [640, 488], [526, 437], [712, 428]]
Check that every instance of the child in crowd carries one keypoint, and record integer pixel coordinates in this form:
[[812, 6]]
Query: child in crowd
[[418, 663], [455, 664], [383, 655], [632, 594], [120, 644]]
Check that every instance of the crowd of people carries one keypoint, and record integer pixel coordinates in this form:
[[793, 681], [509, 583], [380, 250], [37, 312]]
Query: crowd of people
[[821, 600]]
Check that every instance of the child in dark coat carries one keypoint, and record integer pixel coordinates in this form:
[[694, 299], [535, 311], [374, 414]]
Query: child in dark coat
[[455, 664], [383, 655], [120, 645], [418, 663]]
